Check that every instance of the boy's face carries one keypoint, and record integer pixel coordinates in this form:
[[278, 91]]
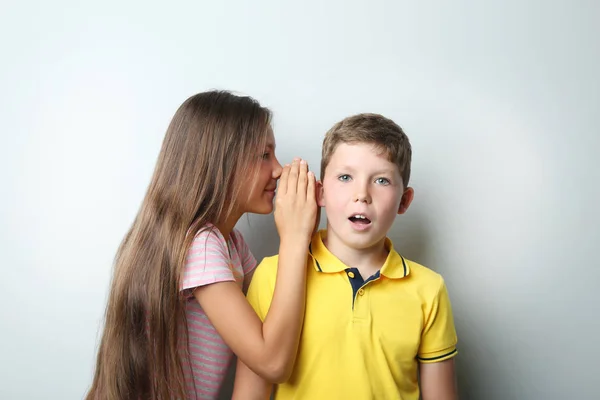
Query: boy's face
[[362, 193]]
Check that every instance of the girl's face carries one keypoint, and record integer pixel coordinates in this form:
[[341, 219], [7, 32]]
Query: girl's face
[[260, 192]]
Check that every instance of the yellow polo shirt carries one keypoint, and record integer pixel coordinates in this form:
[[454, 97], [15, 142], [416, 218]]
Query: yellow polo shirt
[[362, 339]]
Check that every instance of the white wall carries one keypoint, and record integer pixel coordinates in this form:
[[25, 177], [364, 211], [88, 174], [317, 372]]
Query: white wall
[[500, 99]]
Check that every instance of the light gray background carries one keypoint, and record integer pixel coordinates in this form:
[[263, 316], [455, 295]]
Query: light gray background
[[500, 100]]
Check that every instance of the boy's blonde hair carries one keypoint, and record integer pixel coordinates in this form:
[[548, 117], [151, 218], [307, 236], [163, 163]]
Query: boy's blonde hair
[[374, 129]]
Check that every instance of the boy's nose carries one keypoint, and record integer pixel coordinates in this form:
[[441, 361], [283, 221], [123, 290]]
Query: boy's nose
[[362, 197]]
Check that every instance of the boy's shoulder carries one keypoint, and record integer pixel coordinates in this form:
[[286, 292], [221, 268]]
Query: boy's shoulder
[[409, 273], [266, 271], [413, 275], [421, 271], [269, 263], [423, 279], [416, 273]]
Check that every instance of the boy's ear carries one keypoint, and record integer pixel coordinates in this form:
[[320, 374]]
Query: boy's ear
[[320, 194], [407, 198]]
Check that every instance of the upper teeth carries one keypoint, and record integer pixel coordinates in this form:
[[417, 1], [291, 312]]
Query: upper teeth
[[360, 216]]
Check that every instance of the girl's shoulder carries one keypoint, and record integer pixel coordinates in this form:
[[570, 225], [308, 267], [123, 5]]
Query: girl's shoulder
[[208, 236], [237, 239], [236, 235]]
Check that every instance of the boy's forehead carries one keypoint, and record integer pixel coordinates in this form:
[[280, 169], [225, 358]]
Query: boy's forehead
[[358, 153]]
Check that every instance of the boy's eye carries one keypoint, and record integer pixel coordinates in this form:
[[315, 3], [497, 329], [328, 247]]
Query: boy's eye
[[344, 178], [382, 181]]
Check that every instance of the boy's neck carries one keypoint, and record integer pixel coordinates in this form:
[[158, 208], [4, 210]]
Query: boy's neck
[[367, 260]]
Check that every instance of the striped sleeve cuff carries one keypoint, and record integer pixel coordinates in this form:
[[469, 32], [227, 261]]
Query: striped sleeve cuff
[[437, 356]]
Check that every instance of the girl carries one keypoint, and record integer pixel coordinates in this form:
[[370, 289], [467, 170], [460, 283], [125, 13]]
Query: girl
[[176, 309]]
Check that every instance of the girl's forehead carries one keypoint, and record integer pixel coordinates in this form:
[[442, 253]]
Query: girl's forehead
[[270, 138]]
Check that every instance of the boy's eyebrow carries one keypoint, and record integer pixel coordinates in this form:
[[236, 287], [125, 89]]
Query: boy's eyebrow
[[345, 167], [385, 171]]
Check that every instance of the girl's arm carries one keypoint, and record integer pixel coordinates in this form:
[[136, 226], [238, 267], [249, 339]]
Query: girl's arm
[[269, 349], [249, 386]]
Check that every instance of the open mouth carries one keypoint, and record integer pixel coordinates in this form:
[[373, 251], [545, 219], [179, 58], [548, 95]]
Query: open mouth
[[360, 219]]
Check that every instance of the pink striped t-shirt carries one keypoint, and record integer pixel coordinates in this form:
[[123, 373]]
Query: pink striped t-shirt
[[211, 259]]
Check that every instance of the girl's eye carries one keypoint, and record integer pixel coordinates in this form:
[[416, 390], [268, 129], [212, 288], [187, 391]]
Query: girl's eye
[[266, 156], [344, 178], [382, 181]]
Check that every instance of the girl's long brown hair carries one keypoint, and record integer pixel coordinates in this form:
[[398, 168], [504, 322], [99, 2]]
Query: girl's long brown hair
[[212, 145]]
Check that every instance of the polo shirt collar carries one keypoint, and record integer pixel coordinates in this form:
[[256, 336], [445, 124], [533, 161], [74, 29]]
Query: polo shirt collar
[[394, 267]]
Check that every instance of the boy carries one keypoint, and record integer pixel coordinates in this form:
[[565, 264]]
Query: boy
[[377, 326]]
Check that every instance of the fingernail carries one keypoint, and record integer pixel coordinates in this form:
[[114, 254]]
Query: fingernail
[[302, 161], [296, 158]]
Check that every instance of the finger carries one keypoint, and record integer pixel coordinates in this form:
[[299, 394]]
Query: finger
[[283, 180], [302, 177], [310, 189], [292, 182], [317, 220]]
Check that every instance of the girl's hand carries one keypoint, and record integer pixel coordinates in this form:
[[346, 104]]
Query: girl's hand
[[295, 203]]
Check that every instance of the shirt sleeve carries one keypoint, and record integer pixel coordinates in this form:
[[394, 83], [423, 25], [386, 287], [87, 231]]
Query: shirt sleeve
[[207, 261], [262, 286], [438, 339]]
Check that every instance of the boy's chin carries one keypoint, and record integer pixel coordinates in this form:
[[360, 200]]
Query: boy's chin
[[364, 243], [359, 240]]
